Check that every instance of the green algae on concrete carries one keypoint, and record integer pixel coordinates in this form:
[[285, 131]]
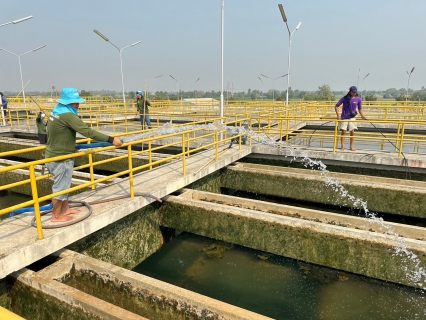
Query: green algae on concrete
[[4, 293], [379, 198], [127, 242], [209, 183], [340, 167], [36, 305], [360, 255], [137, 300]]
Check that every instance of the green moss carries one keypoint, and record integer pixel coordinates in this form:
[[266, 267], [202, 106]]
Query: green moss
[[127, 242], [209, 183], [35, 305], [4, 293], [314, 190], [137, 300], [372, 259], [350, 168]]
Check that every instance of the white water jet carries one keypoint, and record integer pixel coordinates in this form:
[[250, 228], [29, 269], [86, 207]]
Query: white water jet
[[416, 274]]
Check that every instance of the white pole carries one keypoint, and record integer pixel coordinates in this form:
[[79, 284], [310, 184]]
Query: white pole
[[357, 81], [2, 112], [288, 71], [122, 79], [221, 88], [273, 92], [408, 84], [22, 82]]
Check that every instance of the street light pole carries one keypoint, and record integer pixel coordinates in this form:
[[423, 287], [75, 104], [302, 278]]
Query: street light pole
[[121, 60], [363, 82], [196, 95], [280, 6], [16, 21], [20, 68], [357, 81], [261, 89], [146, 85], [408, 84], [177, 83], [227, 87], [274, 79], [221, 88]]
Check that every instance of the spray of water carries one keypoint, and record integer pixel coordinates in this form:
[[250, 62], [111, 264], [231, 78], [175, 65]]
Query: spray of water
[[412, 267]]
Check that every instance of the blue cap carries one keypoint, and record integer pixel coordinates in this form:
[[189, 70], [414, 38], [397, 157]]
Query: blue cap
[[70, 95], [353, 89], [139, 92]]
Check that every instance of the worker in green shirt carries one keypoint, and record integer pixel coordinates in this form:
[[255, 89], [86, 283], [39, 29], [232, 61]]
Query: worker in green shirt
[[41, 127], [62, 127], [142, 109]]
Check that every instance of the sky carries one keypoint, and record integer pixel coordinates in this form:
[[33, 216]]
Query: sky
[[337, 38]]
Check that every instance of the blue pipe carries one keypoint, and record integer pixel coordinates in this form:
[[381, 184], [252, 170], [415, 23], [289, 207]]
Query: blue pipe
[[30, 209], [93, 145]]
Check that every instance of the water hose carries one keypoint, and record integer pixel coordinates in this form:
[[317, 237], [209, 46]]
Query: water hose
[[30, 209], [50, 206], [88, 205]]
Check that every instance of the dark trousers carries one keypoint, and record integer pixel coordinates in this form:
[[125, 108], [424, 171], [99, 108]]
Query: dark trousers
[[42, 138]]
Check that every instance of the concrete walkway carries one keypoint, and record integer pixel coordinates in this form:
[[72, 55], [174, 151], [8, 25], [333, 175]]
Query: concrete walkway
[[18, 239]]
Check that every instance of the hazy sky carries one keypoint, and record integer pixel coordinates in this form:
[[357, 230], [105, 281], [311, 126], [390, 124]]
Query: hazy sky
[[385, 38]]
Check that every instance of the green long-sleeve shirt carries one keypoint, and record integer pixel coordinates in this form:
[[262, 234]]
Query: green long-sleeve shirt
[[41, 125], [140, 106], [61, 134]]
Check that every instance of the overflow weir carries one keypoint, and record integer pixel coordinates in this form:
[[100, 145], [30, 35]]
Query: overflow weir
[[83, 271]]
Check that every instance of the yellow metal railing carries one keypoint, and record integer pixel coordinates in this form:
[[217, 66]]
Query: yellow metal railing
[[112, 116], [183, 139]]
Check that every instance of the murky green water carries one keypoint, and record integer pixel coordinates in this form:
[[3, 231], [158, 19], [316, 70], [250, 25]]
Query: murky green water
[[12, 199], [278, 287]]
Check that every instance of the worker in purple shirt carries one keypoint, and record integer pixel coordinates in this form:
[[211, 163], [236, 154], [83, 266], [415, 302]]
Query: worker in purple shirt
[[351, 102]]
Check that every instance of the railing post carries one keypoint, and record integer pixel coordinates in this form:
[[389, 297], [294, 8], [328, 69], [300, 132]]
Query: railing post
[[92, 173], [397, 137], [216, 139], [189, 144], [401, 143], [335, 136], [183, 154], [131, 180], [150, 153], [36, 202]]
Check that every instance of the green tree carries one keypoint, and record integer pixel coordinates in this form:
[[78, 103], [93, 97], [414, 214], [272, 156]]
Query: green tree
[[324, 93], [85, 93], [370, 98]]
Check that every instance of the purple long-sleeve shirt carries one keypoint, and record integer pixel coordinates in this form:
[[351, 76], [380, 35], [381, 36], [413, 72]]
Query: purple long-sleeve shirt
[[352, 104]]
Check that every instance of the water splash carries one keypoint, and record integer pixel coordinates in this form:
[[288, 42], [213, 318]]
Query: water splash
[[412, 268]]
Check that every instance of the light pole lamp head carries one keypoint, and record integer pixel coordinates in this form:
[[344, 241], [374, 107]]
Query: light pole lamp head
[[39, 48], [172, 77], [22, 19], [298, 26], [136, 43], [412, 70], [101, 35], [197, 80], [280, 6]]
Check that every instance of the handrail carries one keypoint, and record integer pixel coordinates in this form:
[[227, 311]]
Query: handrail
[[183, 138]]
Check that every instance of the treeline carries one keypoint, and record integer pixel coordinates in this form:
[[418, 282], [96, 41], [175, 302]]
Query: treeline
[[323, 93]]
